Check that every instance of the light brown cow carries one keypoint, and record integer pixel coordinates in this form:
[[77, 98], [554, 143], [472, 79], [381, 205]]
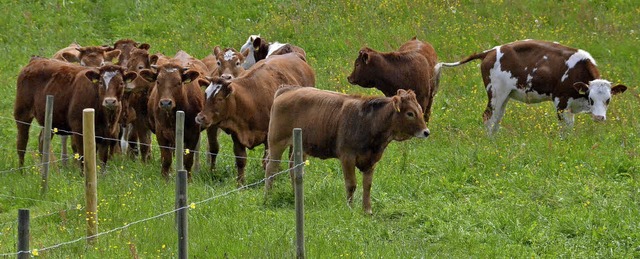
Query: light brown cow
[[69, 54], [126, 46], [257, 48], [354, 129], [74, 88], [97, 56], [241, 106], [176, 89], [228, 63], [411, 67], [533, 71]]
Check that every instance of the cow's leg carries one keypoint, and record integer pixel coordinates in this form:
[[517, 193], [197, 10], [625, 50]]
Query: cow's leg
[[64, 153], [23, 139], [349, 171], [214, 146], [104, 151], [273, 163], [144, 136], [166, 155], [241, 160], [131, 136], [426, 106], [498, 98], [367, 179]]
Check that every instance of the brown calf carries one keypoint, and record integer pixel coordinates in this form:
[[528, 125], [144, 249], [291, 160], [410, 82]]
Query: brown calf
[[241, 106], [354, 129], [411, 67], [228, 63]]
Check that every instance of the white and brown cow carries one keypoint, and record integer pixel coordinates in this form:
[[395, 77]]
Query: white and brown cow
[[257, 48], [411, 67], [354, 129], [241, 106], [533, 71]]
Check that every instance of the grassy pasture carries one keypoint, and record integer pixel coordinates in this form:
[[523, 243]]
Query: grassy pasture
[[523, 193]]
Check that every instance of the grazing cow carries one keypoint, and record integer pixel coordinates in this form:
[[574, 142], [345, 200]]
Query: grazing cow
[[74, 88], [229, 63], [176, 89], [411, 67], [241, 106], [257, 48], [136, 112], [126, 46], [533, 71], [69, 54], [354, 129]]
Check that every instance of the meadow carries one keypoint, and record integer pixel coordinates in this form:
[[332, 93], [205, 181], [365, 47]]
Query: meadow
[[524, 192]]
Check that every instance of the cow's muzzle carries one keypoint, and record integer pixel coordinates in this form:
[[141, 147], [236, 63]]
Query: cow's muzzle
[[423, 134], [599, 118], [202, 120], [165, 104], [110, 103]]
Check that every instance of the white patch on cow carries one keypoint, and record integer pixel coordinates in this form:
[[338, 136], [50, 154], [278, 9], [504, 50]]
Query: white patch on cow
[[274, 46], [501, 85], [170, 70], [574, 59], [250, 59], [545, 57], [229, 55], [107, 78], [212, 90]]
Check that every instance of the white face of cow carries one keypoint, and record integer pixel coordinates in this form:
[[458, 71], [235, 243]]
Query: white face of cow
[[250, 59], [599, 96]]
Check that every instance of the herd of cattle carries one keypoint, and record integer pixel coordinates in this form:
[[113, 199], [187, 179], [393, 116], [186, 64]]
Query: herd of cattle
[[260, 93]]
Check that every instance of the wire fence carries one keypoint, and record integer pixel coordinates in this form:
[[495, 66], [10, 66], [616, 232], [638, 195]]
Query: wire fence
[[191, 205]]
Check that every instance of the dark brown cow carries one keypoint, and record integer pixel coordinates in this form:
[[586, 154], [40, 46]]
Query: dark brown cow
[[257, 48], [533, 71], [241, 106], [411, 67], [176, 89], [74, 88], [228, 62], [354, 129]]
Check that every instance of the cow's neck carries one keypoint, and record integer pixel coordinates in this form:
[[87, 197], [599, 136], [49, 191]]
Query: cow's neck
[[248, 123]]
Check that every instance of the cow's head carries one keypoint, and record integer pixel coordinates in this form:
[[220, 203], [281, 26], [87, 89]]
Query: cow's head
[[363, 68], [219, 103], [110, 81], [229, 62], [169, 80], [126, 46], [598, 93], [408, 120], [249, 44], [138, 60], [97, 56]]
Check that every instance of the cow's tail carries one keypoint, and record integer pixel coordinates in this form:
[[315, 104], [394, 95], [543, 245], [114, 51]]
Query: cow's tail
[[438, 68]]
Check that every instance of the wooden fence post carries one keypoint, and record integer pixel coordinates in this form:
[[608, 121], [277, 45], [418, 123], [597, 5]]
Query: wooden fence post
[[179, 140], [91, 179], [299, 191], [181, 198], [23, 234], [46, 144]]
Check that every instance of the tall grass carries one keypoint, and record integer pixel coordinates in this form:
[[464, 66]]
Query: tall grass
[[523, 193]]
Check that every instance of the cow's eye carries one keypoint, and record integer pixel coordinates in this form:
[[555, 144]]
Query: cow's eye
[[237, 63], [411, 114], [607, 102], [140, 67], [590, 101], [218, 63]]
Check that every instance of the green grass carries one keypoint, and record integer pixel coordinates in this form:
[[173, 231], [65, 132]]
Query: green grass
[[523, 193]]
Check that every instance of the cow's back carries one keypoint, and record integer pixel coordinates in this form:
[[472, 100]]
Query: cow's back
[[424, 48], [286, 69]]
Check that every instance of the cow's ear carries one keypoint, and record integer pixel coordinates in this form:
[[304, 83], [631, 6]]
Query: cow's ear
[[581, 87], [70, 57], [93, 76], [144, 46], [618, 89], [153, 59], [245, 52], [203, 82], [256, 43], [216, 50], [112, 56], [396, 100], [128, 79], [190, 76], [148, 75], [228, 89], [365, 57]]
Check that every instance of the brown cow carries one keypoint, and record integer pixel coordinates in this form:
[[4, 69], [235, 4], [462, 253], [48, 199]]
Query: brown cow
[[74, 88], [126, 46], [354, 129], [176, 89], [97, 56], [411, 67], [69, 54], [136, 103], [241, 106], [229, 63], [533, 71], [211, 62], [257, 48]]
